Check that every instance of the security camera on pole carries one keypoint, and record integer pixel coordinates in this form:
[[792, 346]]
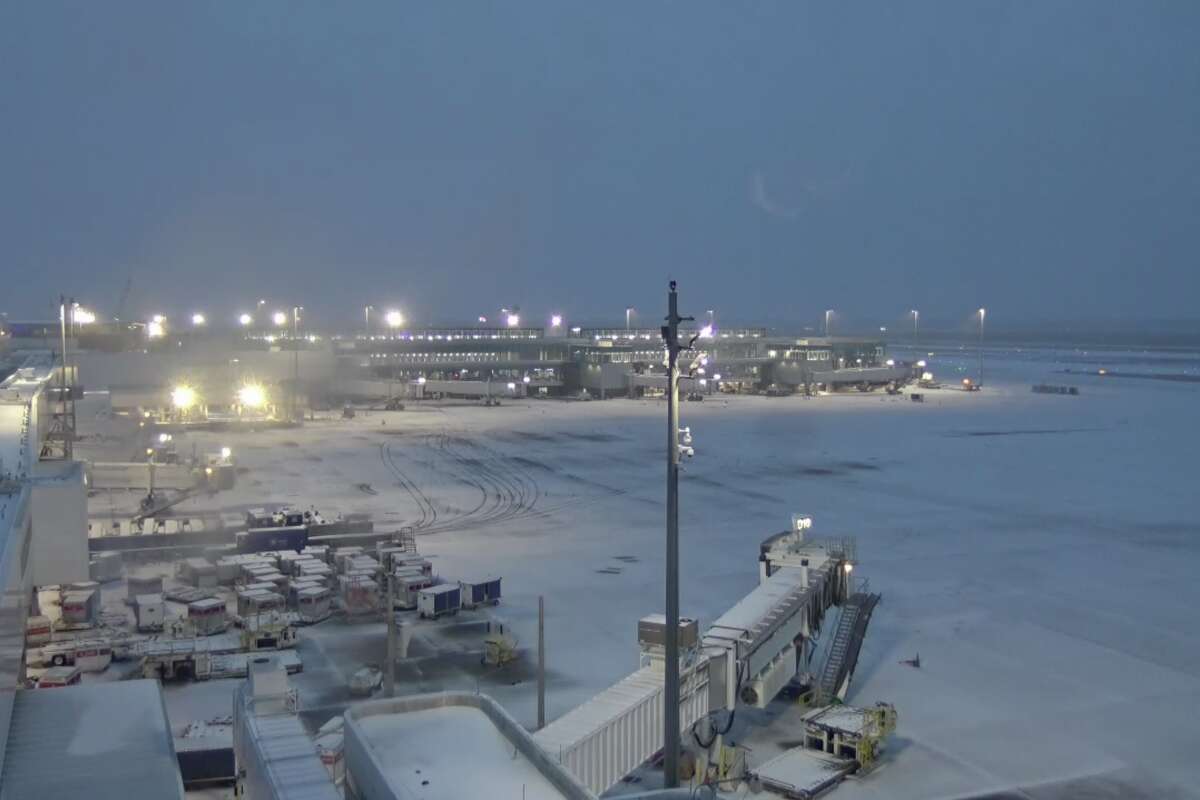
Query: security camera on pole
[[671, 724]]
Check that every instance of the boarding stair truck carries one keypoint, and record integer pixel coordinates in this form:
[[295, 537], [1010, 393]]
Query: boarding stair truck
[[482, 592], [440, 600]]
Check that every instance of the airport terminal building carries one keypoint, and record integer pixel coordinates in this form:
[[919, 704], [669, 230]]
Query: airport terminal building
[[314, 370]]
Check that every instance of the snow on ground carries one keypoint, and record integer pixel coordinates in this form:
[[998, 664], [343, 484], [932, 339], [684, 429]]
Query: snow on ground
[[1038, 551]]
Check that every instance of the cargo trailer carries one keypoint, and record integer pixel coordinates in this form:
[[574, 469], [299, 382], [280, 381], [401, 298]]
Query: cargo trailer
[[480, 593], [439, 600]]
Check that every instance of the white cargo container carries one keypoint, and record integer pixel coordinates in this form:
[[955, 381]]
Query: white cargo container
[[407, 589], [475, 593], [313, 604], [81, 608], [208, 616], [439, 600], [150, 612], [360, 595]]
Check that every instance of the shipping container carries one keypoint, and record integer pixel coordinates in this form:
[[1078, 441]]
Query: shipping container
[[407, 589], [198, 572], [58, 677], [150, 612], [439, 600], [81, 608], [313, 604], [208, 616], [38, 630], [359, 595], [258, 601], [256, 540], [412, 560], [481, 592]]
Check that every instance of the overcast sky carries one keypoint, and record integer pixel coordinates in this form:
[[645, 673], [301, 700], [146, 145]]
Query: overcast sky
[[1041, 158]]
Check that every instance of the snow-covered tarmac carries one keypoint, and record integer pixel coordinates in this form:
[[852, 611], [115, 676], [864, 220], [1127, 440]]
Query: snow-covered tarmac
[[1040, 552]]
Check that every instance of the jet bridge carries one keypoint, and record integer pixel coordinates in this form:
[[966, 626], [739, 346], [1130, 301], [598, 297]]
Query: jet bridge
[[749, 654]]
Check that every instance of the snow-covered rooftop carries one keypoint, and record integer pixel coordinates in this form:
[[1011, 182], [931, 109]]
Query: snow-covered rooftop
[[106, 741]]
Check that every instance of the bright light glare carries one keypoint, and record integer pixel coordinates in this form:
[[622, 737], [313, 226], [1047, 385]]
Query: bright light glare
[[482, 318], [513, 320], [198, 319], [921, 364], [252, 396], [556, 321], [706, 332], [81, 316], [155, 329], [159, 318], [394, 319], [525, 379], [183, 397], [926, 376], [512, 386], [246, 319], [717, 377], [421, 381], [279, 318], [164, 437], [848, 567], [226, 452], [891, 362]]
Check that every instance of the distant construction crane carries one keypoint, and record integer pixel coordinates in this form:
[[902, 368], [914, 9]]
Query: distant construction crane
[[123, 298]]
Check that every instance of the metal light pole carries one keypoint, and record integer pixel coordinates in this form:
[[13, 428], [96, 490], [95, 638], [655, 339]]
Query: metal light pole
[[367, 321], [295, 361], [828, 318], [916, 315], [982, 314], [671, 725], [389, 674], [628, 311], [541, 664]]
